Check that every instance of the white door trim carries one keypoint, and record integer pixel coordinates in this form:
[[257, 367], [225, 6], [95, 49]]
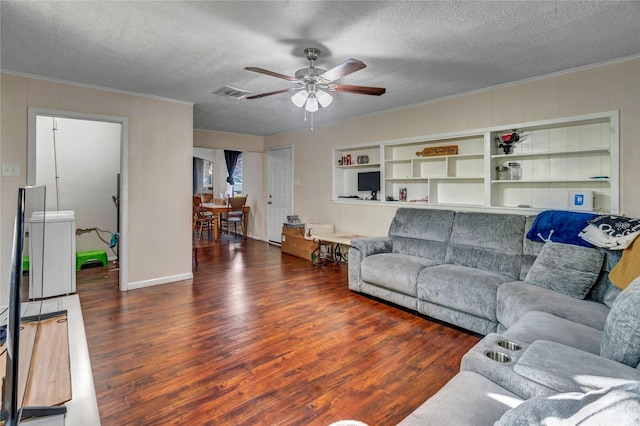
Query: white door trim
[[123, 240]]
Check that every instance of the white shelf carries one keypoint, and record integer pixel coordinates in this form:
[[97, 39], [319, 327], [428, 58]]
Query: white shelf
[[438, 157], [551, 153], [359, 166], [556, 157], [548, 181], [408, 179], [456, 178]]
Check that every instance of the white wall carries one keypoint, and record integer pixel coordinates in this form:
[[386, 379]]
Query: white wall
[[607, 87], [88, 162]]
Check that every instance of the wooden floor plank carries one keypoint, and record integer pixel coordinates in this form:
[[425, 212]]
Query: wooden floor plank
[[259, 338]]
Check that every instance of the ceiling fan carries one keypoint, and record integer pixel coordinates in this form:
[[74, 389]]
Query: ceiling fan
[[310, 83]]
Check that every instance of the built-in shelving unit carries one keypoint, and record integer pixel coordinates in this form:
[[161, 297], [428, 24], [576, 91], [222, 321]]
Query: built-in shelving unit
[[556, 157], [345, 177]]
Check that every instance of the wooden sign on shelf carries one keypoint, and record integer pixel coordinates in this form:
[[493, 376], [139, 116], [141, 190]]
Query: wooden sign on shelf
[[438, 150]]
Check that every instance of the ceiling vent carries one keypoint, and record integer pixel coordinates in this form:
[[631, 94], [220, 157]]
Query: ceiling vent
[[231, 92]]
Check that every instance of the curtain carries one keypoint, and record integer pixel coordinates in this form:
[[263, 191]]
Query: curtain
[[231, 157], [197, 175]]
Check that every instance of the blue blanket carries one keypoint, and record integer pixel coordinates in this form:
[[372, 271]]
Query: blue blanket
[[560, 226]]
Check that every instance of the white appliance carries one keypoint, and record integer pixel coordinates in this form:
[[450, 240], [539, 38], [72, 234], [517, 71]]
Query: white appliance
[[57, 274], [581, 200]]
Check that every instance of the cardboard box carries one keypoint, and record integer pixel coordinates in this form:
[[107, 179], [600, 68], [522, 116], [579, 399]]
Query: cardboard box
[[298, 246], [287, 230]]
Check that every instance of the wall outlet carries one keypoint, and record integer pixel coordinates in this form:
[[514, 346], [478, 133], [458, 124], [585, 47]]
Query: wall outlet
[[10, 169]]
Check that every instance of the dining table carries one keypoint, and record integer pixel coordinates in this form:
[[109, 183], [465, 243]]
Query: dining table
[[217, 210]]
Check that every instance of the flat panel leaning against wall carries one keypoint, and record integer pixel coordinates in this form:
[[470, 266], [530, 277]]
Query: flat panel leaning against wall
[[79, 162]]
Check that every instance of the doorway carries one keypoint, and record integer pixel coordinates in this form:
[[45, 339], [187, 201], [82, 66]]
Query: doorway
[[79, 159], [279, 190]]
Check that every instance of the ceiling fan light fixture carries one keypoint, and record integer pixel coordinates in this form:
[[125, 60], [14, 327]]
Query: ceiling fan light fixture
[[309, 80], [300, 98], [312, 103], [324, 98]]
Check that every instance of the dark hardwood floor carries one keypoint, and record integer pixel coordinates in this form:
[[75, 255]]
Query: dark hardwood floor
[[259, 338]]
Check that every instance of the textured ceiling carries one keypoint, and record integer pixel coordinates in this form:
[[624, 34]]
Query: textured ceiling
[[419, 51]]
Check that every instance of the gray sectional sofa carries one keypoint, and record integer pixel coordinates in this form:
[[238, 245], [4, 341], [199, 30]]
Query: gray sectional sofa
[[567, 328]]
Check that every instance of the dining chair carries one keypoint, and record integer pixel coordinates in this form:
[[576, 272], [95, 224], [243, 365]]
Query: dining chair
[[234, 215], [202, 218], [197, 201]]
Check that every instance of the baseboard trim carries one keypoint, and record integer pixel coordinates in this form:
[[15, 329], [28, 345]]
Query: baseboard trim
[[159, 281]]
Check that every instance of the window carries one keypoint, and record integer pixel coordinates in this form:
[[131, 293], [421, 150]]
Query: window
[[207, 175]]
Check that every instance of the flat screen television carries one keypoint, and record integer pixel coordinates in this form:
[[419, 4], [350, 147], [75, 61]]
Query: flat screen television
[[18, 348], [369, 181]]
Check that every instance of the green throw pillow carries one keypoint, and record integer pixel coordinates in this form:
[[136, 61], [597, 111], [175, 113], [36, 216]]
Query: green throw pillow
[[566, 268]]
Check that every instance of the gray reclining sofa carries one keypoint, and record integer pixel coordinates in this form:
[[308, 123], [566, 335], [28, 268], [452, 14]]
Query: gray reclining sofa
[[470, 270], [559, 341]]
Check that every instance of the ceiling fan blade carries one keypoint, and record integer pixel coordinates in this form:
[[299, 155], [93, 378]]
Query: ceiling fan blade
[[271, 73], [360, 90], [345, 68], [262, 95]]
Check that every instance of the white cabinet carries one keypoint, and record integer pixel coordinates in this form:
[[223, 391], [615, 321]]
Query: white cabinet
[[52, 269], [556, 158]]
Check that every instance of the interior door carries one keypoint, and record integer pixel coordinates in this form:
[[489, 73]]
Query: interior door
[[279, 191]]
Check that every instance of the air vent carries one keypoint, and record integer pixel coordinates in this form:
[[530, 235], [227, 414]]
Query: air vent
[[231, 92]]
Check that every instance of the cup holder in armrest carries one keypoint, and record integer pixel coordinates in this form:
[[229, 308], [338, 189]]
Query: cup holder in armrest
[[498, 356], [510, 346]]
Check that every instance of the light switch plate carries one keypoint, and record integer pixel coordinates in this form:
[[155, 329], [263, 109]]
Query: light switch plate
[[10, 169]]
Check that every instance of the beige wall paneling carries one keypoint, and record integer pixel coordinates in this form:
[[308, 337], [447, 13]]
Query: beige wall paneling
[[608, 87], [160, 147], [233, 141]]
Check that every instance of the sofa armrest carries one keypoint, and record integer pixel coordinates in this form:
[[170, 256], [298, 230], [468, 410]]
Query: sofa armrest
[[361, 248], [372, 245], [567, 369]]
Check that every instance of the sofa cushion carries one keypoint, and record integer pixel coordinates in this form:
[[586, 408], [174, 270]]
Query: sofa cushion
[[398, 272], [618, 405], [566, 369], [421, 232], [423, 224], [537, 325], [530, 249], [621, 340], [487, 241], [566, 268], [603, 290], [462, 288], [517, 298], [467, 399]]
